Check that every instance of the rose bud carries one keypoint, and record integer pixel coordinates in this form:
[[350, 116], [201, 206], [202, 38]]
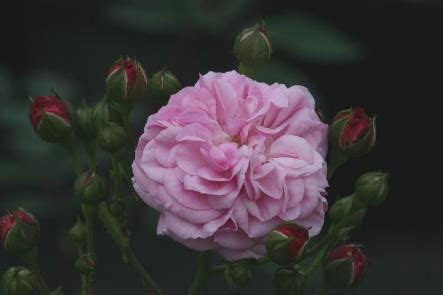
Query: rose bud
[[350, 208], [372, 188], [51, 118], [19, 231], [345, 266], [111, 137], [85, 126], [353, 132], [126, 81], [18, 281], [77, 233], [238, 274], [163, 84], [90, 187], [288, 281], [285, 244], [85, 264], [253, 47], [104, 113]]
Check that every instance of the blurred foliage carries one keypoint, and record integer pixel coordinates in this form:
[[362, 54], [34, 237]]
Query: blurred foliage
[[177, 15], [310, 39]]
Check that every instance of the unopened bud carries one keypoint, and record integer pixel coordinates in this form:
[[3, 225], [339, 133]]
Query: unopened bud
[[103, 113], [163, 84], [345, 266], [51, 118], [238, 274], [111, 137], [253, 46], [77, 233], [90, 187], [126, 81], [372, 188], [353, 132], [85, 264], [285, 244], [85, 126], [18, 281], [19, 231]]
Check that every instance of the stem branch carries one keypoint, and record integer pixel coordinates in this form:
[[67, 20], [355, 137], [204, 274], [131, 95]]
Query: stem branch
[[201, 275], [122, 241]]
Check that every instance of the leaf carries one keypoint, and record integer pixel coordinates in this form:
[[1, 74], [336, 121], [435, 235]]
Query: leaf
[[310, 39], [148, 16], [215, 15], [280, 72]]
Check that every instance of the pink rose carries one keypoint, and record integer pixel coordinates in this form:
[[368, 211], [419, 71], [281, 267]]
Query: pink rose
[[230, 158]]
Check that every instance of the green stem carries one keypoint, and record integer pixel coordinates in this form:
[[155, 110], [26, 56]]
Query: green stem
[[128, 130], [73, 157], [317, 260], [91, 149], [122, 241], [30, 259], [201, 276], [148, 283], [117, 178], [336, 159], [89, 214]]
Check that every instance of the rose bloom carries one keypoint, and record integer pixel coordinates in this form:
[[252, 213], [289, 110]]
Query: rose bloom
[[229, 159]]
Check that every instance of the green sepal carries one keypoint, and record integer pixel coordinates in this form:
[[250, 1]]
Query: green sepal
[[77, 233], [162, 85], [53, 128], [372, 188], [277, 247], [104, 113], [84, 124], [90, 186], [288, 281], [18, 281], [338, 274], [111, 137], [117, 85], [85, 264], [238, 274], [252, 47]]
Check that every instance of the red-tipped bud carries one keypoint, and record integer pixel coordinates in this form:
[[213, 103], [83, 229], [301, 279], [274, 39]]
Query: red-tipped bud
[[19, 231], [285, 244], [345, 266], [353, 132], [90, 187], [126, 81], [50, 117]]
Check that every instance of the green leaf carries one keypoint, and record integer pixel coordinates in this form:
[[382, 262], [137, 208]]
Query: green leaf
[[310, 39], [215, 15], [148, 16], [278, 71]]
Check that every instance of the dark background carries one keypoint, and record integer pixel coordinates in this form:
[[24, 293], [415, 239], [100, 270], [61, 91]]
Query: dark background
[[385, 56]]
